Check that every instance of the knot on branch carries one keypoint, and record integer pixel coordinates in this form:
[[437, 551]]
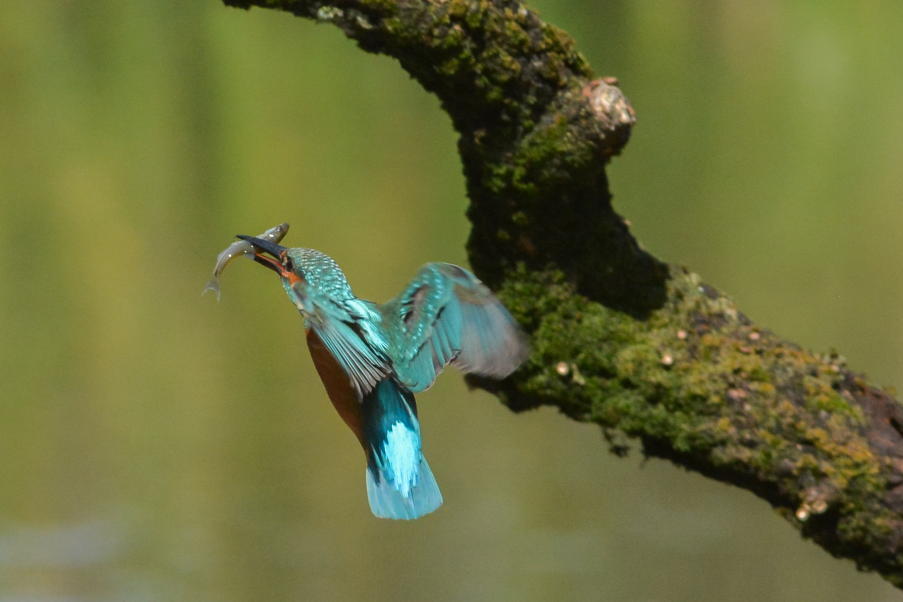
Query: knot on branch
[[612, 110], [579, 127]]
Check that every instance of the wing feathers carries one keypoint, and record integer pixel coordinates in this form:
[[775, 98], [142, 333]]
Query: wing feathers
[[364, 365], [446, 315], [491, 343]]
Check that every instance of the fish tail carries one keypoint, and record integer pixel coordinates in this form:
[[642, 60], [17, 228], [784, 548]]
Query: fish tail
[[212, 285]]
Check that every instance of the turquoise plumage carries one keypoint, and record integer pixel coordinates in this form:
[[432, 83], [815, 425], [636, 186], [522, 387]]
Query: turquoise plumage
[[446, 315], [400, 483], [373, 358]]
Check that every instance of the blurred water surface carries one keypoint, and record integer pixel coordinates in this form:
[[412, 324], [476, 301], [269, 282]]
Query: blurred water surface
[[157, 445]]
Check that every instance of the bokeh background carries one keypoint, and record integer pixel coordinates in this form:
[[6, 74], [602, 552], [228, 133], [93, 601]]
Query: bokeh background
[[156, 445]]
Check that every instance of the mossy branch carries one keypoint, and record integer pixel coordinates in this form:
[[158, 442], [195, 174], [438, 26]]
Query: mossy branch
[[644, 349]]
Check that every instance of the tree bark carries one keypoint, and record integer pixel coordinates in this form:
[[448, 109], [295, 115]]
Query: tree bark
[[643, 348]]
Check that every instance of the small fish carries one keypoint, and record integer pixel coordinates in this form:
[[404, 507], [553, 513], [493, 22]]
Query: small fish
[[237, 249]]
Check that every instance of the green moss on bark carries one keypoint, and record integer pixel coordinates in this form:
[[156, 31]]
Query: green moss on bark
[[697, 383]]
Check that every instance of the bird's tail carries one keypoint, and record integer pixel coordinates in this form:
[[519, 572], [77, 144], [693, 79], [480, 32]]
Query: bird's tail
[[400, 483]]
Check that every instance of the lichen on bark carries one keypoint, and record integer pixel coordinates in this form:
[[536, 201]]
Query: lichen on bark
[[644, 349]]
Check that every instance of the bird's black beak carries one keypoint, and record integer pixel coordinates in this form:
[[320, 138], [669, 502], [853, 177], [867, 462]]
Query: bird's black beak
[[261, 246]]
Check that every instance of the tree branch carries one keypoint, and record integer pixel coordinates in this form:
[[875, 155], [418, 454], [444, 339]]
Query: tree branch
[[640, 347]]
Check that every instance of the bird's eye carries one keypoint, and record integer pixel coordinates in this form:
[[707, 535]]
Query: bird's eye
[[287, 263]]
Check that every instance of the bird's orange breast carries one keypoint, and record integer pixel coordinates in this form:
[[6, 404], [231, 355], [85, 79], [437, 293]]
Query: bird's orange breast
[[337, 384]]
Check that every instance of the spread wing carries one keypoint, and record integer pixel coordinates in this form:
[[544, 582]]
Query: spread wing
[[446, 315]]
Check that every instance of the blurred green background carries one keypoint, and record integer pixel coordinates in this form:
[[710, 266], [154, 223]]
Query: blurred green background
[[157, 445]]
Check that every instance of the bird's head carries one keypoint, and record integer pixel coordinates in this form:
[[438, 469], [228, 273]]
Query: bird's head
[[282, 261]]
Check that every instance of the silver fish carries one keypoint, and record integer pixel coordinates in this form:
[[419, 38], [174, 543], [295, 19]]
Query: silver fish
[[237, 249]]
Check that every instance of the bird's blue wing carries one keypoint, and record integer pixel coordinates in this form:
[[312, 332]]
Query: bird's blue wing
[[446, 315], [400, 483], [350, 334]]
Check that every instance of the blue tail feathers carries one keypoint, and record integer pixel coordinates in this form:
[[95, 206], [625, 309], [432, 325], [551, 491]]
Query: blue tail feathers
[[400, 483], [388, 502]]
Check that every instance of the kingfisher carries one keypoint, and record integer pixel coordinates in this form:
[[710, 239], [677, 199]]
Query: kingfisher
[[373, 358]]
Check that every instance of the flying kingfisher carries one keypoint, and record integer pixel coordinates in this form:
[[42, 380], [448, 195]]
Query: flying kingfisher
[[373, 358]]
